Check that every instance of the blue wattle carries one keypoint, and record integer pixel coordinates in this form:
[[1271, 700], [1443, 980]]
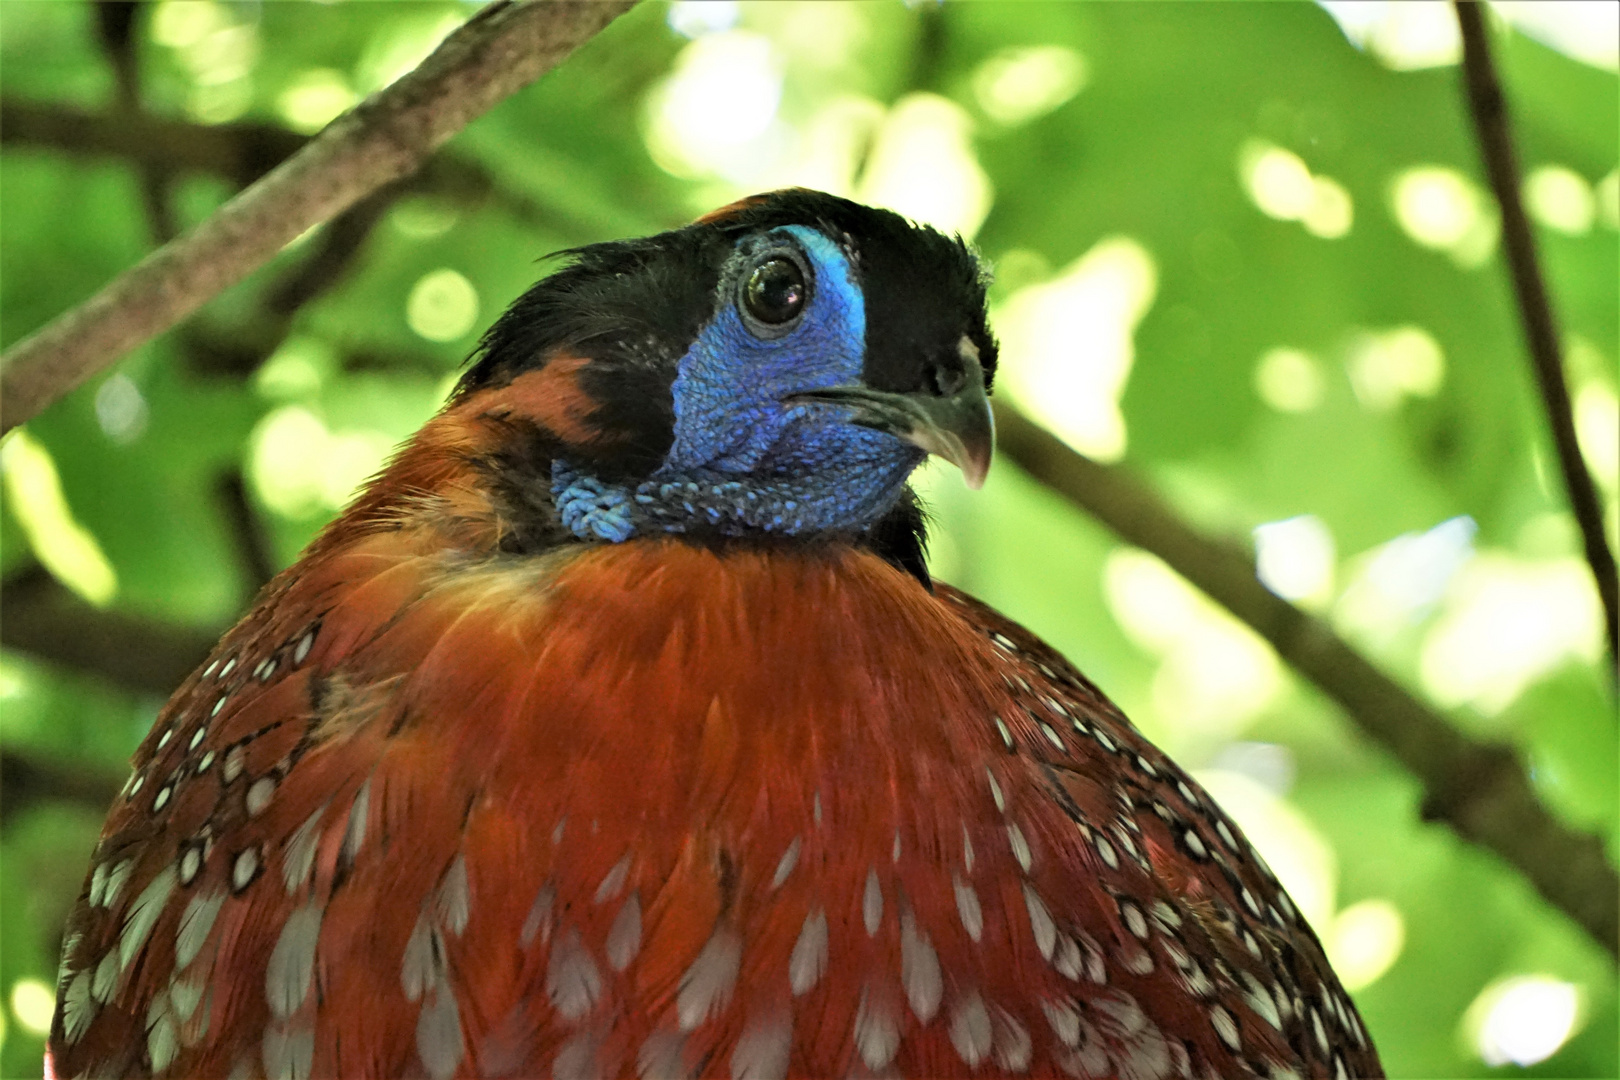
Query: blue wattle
[[743, 461]]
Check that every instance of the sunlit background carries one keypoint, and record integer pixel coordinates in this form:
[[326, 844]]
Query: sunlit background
[[1247, 250]]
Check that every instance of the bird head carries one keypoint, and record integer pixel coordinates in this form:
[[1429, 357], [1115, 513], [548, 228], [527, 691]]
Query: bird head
[[779, 367]]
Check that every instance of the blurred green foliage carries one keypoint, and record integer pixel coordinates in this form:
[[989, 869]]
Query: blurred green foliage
[[1247, 160]]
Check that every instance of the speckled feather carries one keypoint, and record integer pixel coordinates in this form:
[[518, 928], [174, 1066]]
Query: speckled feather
[[463, 796], [591, 832]]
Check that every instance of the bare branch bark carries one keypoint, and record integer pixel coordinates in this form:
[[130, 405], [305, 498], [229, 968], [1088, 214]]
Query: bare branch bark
[[1480, 790], [1488, 107], [501, 49]]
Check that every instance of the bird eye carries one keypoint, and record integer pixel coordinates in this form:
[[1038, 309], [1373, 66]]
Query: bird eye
[[775, 292]]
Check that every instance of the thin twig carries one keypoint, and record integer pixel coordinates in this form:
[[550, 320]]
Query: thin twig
[[501, 49], [1488, 107], [1478, 789]]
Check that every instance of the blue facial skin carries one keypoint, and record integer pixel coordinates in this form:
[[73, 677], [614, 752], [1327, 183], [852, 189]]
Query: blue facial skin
[[743, 461]]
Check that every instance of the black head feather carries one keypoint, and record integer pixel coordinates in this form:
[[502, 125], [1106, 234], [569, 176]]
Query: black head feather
[[633, 308]]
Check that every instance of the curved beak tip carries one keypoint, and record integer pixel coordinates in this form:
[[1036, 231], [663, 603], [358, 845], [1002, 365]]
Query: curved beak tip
[[968, 441]]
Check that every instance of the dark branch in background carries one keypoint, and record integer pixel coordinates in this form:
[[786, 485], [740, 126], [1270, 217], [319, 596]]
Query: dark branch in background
[[1480, 790], [28, 778], [238, 152], [46, 620], [116, 20], [389, 135], [240, 351], [251, 542], [1489, 110]]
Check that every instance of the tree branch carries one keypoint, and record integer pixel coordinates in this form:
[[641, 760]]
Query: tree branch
[[238, 152], [1480, 790], [255, 554], [501, 49], [46, 620], [116, 21], [1488, 107], [28, 778]]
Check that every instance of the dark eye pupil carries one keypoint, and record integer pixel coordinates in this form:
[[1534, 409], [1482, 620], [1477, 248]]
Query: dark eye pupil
[[775, 291]]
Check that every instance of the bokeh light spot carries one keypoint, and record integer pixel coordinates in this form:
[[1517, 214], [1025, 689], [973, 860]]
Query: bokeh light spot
[[442, 306], [1017, 85], [1404, 35], [1441, 208], [178, 23], [1068, 344], [922, 165], [398, 50], [694, 18], [299, 467], [32, 1003], [1523, 1019], [1387, 366], [1597, 427], [1397, 582], [314, 98], [1364, 941], [424, 217], [1508, 622], [719, 100], [63, 546], [1278, 181], [1295, 558], [121, 409], [835, 141], [1560, 199], [295, 370], [1214, 674], [1289, 380], [1607, 199], [1588, 31], [1331, 212]]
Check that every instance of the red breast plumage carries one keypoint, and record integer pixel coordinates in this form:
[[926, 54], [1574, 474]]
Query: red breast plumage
[[662, 808]]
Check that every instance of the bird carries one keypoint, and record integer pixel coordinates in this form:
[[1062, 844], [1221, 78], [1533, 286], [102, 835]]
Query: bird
[[617, 728]]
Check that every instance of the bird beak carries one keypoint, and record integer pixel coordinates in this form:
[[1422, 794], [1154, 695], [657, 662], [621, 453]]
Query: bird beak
[[958, 427]]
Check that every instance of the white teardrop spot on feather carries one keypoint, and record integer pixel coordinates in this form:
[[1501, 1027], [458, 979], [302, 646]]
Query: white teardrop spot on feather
[[707, 986], [970, 1029], [809, 959], [572, 980], [624, 937], [919, 969], [763, 1049], [877, 1031], [872, 902], [784, 866], [290, 973], [967, 906]]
